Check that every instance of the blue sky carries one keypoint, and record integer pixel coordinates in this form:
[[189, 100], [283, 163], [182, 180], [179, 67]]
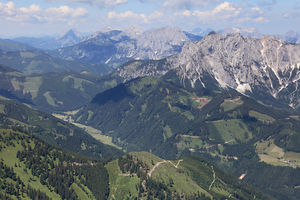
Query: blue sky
[[49, 17]]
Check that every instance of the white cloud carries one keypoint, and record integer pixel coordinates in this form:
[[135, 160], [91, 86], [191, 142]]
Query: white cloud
[[126, 16], [226, 12], [35, 13], [260, 19], [156, 15], [187, 4], [223, 11], [139, 18], [99, 3], [185, 13]]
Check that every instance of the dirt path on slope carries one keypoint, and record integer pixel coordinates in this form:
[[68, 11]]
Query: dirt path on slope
[[214, 177], [161, 162], [155, 166]]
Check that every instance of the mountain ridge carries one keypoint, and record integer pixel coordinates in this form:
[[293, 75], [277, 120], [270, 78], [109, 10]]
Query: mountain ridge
[[245, 64], [116, 47]]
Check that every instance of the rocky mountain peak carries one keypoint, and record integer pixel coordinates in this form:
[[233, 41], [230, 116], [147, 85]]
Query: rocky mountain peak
[[69, 38], [235, 61]]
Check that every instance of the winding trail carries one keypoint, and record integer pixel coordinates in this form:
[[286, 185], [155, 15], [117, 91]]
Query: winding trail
[[155, 166], [161, 162], [176, 166], [214, 176]]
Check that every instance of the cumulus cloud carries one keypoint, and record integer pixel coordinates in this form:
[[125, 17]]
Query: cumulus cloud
[[138, 17], [226, 11], [99, 3], [128, 15], [34, 13], [187, 4]]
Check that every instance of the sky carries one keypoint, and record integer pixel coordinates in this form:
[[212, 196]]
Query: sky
[[50, 17]]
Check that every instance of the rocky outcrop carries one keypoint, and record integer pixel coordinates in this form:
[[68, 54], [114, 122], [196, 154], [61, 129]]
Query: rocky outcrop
[[265, 66]]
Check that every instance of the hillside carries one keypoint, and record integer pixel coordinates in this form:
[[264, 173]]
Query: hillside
[[10, 45], [52, 130], [32, 169], [67, 38], [265, 69], [145, 176], [52, 92], [38, 61], [235, 132]]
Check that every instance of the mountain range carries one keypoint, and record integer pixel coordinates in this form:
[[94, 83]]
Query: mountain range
[[117, 47], [266, 69], [67, 38], [178, 112], [230, 98]]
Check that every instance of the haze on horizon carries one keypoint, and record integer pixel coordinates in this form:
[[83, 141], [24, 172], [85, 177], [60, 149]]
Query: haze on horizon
[[50, 17]]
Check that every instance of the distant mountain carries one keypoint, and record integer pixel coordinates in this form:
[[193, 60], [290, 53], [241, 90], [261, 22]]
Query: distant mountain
[[228, 97], [250, 32], [265, 69], [38, 61], [64, 39], [61, 91], [291, 37], [10, 45], [115, 47], [201, 32], [69, 38]]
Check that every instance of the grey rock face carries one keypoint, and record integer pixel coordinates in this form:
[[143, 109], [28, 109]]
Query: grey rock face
[[116, 47], [245, 64], [69, 38]]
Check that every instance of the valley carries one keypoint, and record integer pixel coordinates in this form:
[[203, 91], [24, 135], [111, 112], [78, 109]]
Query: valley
[[156, 114]]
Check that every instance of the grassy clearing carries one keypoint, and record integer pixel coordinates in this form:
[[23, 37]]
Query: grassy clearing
[[32, 85], [293, 157], [78, 82], [147, 158], [2, 109], [16, 84], [121, 187], [270, 153], [167, 132], [295, 117], [110, 84], [136, 87], [81, 194], [231, 104], [95, 133], [261, 117], [178, 101], [9, 155], [90, 115], [200, 102], [167, 173], [49, 99], [191, 143], [229, 130]]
